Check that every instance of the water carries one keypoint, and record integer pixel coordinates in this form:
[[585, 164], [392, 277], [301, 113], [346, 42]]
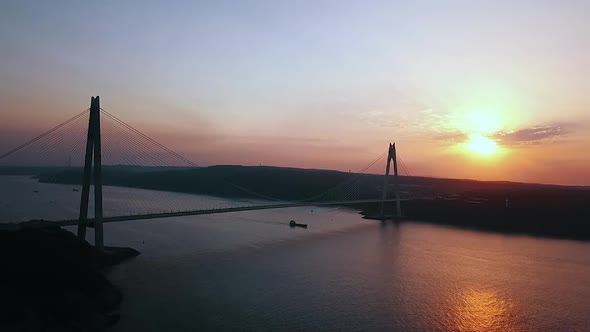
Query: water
[[248, 271]]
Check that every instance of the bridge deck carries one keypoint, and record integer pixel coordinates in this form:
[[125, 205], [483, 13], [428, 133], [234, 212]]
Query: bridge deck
[[90, 222]]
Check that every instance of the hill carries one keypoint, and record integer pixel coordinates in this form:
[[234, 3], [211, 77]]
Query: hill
[[537, 209]]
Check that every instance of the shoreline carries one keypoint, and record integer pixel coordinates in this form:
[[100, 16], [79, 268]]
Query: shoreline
[[545, 222], [55, 281]]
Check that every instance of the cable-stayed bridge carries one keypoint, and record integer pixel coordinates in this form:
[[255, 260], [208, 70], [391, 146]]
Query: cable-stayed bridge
[[117, 173]]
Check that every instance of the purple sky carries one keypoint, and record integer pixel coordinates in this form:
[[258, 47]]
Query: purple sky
[[314, 83]]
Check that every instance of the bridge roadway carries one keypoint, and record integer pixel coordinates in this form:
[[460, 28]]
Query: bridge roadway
[[90, 222]]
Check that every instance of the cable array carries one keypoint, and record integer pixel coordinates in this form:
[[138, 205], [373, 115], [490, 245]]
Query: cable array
[[47, 156], [196, 181], [142, 163], [404, 168], [143, 176]]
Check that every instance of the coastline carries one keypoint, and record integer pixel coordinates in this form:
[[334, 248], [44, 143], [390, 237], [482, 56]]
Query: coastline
[[504, 207], [54, 281], [556, 222]]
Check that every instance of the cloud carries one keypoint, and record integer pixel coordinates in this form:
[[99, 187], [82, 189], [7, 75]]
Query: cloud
[[521, 137], [453, 137], [533, 135], [385, 119]]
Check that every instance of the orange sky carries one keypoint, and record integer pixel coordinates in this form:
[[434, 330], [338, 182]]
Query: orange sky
[[316, 84]]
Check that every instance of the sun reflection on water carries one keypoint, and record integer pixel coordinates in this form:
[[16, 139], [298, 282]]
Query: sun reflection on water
[[481, 310]]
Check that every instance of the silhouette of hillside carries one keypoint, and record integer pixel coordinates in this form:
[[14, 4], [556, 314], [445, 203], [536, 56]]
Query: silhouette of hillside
[[224, 180], [547, 210], [278, 182]]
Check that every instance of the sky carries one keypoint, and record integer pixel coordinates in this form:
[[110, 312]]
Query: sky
[[487, 90]]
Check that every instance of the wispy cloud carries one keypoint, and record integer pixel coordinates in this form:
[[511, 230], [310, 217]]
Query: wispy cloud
[[520, 137], [452, 137], [379, 118], [532, 135], [451, 128]]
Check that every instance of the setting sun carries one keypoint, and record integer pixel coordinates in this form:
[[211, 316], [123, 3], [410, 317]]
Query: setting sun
[[481, 145]]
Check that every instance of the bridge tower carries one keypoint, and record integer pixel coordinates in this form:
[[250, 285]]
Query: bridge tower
[[93, 150], [391, 156]]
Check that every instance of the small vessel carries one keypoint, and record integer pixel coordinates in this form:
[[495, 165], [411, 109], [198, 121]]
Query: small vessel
[[75, 189], [292, 223], [35, 191]]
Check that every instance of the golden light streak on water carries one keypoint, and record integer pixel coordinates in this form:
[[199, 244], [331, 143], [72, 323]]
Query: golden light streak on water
[[481, 310]]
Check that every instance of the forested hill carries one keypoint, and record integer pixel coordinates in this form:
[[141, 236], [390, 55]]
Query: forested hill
[[295, 183], [227, 181], [286, 183], [547, 210]]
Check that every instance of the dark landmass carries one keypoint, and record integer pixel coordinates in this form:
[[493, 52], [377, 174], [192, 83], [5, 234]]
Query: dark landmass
[[52, 281], [52, 170], [223, 181], [549, 212], [536, 209], [29, 170]]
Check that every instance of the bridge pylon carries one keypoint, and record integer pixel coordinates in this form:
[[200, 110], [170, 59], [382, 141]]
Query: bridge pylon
[[391, 156], [93, 151]]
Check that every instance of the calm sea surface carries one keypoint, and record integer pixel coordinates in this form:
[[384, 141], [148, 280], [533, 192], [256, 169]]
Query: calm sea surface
[[249, 271]]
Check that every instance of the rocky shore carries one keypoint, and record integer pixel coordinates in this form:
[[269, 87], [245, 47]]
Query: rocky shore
[[52, 281]]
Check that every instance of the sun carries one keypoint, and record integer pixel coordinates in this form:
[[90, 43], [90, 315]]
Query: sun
[[481, 145]]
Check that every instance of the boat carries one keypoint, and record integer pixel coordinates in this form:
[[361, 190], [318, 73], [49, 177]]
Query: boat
[[293, 223], [75, 189]]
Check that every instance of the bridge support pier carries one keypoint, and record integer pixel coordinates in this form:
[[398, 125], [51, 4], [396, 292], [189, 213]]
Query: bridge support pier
[[93, 151], [391, 156]]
